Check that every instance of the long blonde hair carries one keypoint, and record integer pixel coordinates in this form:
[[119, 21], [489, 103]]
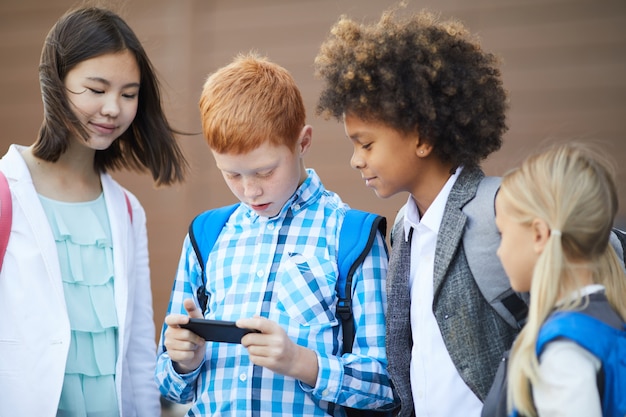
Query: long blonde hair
[[572, 188]]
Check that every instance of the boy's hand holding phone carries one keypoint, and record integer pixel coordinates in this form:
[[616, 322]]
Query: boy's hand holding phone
[[185, 348], [274, 350]]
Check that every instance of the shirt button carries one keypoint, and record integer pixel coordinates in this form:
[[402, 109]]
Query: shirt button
[[296, 206], [243, 377], [270, 226], [259, 273], [325, 392]]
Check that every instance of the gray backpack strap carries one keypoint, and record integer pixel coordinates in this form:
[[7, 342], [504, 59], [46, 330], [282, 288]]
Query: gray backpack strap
[[480, 242], [618, 240]]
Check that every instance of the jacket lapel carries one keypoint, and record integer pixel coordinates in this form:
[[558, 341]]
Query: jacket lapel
[[453, 223], [28, 201]]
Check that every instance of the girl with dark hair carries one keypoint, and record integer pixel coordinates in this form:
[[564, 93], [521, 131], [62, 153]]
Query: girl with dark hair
[[76, 306]]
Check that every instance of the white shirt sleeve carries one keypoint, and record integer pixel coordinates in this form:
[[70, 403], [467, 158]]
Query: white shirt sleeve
[[568, 382]]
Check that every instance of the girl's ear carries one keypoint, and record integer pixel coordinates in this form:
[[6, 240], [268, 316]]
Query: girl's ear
[[541, 234]]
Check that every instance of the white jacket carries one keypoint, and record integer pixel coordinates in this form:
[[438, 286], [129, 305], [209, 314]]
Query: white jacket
[[34, 326]]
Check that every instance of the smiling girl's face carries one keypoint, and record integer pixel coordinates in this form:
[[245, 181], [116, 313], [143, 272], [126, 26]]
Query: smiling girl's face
[[104, 94]]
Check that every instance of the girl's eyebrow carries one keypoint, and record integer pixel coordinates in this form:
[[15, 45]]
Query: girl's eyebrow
[[108, 83]]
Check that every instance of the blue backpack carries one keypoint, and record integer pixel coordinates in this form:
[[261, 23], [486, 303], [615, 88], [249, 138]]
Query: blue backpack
[[356, 236], [607, 343]]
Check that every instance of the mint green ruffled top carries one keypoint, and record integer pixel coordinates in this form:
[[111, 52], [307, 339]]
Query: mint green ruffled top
[[84, 244]]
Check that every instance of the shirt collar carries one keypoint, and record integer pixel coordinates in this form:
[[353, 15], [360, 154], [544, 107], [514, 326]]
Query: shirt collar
[[434, 215], [581, 292]]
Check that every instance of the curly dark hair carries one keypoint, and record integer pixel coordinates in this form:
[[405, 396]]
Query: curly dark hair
[[416, 75]]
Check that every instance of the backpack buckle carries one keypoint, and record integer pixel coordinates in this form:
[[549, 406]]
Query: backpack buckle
[[344, 309]]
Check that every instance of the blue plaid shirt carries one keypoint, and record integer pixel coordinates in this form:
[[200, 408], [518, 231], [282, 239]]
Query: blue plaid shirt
[[284, 268]]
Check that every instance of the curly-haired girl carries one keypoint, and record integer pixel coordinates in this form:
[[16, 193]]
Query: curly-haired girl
[[423, 105]]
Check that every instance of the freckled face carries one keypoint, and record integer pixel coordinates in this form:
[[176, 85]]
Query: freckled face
[[516, 250], [103, 92], [264, 178], [385, 157]]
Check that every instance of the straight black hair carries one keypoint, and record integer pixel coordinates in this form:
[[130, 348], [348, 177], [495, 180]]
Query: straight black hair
[[149, 142]]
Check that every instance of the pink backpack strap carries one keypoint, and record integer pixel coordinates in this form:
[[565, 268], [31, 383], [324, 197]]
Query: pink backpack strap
[[6, 215], [129, 206]]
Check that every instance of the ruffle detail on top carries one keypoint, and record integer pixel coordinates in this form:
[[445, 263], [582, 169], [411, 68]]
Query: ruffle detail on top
[[84, 245], [100, 392]]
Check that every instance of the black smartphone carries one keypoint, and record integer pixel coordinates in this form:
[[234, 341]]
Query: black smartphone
[[217, 330]]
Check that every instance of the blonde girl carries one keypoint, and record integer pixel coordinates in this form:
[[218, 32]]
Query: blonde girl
[[555, 214]]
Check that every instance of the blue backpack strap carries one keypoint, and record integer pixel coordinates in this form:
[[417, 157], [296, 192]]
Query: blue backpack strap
[[203, 232], [353, 248], [356, 238], [588, 332], [606, 343]]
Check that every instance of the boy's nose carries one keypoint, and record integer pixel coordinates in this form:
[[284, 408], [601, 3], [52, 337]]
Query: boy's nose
[[251, 188], [356, 162]]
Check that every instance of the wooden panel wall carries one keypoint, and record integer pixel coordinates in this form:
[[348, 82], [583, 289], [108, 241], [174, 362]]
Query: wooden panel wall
[[564, 66]]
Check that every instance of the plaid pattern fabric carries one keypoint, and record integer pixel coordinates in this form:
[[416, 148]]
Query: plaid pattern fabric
[[284, 268]]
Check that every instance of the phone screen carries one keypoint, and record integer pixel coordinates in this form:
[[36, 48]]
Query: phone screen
[[217, 330]]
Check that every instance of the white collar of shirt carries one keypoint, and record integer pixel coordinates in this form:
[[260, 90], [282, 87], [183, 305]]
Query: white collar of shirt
[[434, 214], [431, 366], [582, 292]]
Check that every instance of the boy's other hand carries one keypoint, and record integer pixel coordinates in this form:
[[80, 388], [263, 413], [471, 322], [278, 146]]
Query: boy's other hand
[[185, 348], [274, 350]]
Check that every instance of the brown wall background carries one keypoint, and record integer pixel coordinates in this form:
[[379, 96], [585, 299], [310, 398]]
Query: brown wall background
[[564, 66]]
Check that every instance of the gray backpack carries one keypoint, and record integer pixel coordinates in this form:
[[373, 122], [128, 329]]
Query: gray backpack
[[480, 242]]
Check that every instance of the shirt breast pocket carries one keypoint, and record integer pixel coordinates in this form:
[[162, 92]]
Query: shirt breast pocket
[[306, 290]]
